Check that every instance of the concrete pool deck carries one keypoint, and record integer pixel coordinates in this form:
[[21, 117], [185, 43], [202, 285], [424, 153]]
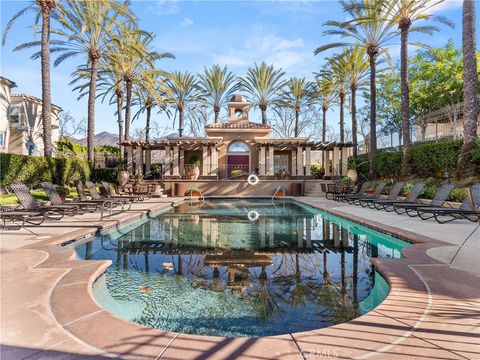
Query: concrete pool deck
[[432, 311]]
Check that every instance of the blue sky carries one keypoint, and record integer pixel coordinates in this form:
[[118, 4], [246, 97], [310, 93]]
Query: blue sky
[[201, 33]]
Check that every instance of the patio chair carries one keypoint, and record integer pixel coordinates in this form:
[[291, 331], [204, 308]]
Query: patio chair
[[437, 201], [412, 197], [108, 190], [392, 195], [105, 203], [54, 212], [95, 195], [19, 217], [56, 199], [360, 192], [375, 195], [469, 209]]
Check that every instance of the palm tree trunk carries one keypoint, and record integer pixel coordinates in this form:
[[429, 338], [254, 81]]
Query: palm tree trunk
[[342, 118], [354, 121], [91, 109], [373, 114], [128, 109], [324, 124], [120, 122], [263, 109], [465, 166], [46, 93], [147, 125], [180, 122], [405, 170], [216, 110], [297, 121]]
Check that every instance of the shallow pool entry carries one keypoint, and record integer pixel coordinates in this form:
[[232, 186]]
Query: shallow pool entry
[[241, 268]]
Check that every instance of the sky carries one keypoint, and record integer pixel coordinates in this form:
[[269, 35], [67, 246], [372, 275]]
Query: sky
[[201, 33]]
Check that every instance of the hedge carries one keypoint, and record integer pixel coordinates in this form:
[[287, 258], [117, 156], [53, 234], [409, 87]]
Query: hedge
[[33, 169], [105, 174]]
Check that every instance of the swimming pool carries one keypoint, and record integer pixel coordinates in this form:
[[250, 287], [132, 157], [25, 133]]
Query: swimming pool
[[241, 267]]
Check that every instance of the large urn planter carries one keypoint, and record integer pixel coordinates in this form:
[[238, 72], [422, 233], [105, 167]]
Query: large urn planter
[[122, 178], [353, 175]]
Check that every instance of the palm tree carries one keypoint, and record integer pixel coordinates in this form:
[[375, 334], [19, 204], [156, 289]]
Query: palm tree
[[43, 10], [182, 89], [218, 85], [369, 26], [354, 60], [87, 29], [298, 94], [263, 83], [405, 14], [326, 93], [470, 78]]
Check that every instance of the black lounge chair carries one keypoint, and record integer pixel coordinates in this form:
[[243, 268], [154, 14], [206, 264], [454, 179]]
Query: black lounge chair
[[54, 212], [375, 195], [470, 209], [56, 199], [412, 197], [107, 190], [361, 192], [392, 195], [437, 201], [95, 195], [105, 203], [18, 217]]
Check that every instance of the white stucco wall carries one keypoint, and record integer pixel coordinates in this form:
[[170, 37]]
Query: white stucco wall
[[4, 110]]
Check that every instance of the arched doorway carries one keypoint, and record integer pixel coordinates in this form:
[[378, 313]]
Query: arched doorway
[[238, 158]]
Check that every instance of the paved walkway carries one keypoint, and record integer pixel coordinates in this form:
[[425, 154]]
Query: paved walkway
[[432, 312]]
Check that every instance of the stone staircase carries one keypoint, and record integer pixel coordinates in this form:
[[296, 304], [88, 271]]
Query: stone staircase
[[316, 191]]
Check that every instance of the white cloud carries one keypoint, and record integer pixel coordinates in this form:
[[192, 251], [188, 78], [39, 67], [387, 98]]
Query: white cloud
[[186, 22], [163, 7], [447, 5]]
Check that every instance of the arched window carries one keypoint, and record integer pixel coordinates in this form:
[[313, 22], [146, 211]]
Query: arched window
[[238, 147]]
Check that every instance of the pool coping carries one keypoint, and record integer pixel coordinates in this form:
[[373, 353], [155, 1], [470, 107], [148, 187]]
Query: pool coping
[[77, 312]]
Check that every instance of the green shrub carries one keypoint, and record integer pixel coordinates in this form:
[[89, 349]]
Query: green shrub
[[32, 169], [387, 163], [427, 159], [457, 194], [105, 174]]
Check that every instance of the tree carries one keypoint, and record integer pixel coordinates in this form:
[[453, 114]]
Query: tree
[[405, 14], [326, 96], [69, 126], [470, 84], [218, 84], [390, 104], [263, 83], [369, 26], [283, 121], [182, 91], [298, 94], [87, 29], [43, 10]]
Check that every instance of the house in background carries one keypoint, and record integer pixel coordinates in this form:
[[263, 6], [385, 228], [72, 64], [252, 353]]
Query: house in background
[[21, 122]]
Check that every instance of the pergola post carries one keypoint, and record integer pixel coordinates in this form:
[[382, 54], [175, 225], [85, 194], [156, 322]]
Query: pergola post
[[326, 165], [139, 161], [205, 161], [271, 169], [214, 162], [168, 159], [294, 162], [344, 161], [148, 163], [299, 161], [335, 161], [129, 159], [175, 161], [182, 162], [308, 160], [261, 161]]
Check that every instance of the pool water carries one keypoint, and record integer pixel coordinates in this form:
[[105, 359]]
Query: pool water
[[241, 268]]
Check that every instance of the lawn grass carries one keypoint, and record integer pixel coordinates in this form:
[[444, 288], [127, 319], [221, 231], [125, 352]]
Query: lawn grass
[[38, 194]]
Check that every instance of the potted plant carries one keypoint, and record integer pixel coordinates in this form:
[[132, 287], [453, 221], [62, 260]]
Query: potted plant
[[318, 171], [193, 172], [346, 181], [352, 171]]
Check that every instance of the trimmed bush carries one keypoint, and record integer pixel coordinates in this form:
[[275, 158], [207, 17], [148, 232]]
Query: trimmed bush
[[435, 158], [105, 174], [387, 163], [33, 169]]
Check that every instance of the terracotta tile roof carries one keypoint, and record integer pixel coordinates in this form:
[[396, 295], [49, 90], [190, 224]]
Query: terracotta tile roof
[[238, 125]]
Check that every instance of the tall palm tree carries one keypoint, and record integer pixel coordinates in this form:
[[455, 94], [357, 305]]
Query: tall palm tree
[[470, 79], [218, 85], [370, 27], [326, 95], [354, 60], [263, 83], [297, 95], [405, 14], [43, 10], [87, 28], [182, 90]]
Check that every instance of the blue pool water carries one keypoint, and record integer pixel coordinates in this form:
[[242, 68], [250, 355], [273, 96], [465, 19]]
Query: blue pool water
[[241, 268]]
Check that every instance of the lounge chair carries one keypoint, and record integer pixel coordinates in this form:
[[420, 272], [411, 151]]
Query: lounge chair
[[375, 195], [392, 195], [360, 192], [54, 212], [412, 197], [95, 195], [19, 218], [108, 191], [56, 199], [470, 209], [437, 201]]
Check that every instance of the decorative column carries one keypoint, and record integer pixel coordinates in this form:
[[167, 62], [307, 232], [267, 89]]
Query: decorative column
[[271, 168], [326, 165], [182, 162], [215, 161], [148, 163], [344, 161], [294, 162], [129, 159], [261, 161], [139, 160], [308, 161], [168, 159], [175, 161], [205, 161], [299, 161], [336, 161]]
